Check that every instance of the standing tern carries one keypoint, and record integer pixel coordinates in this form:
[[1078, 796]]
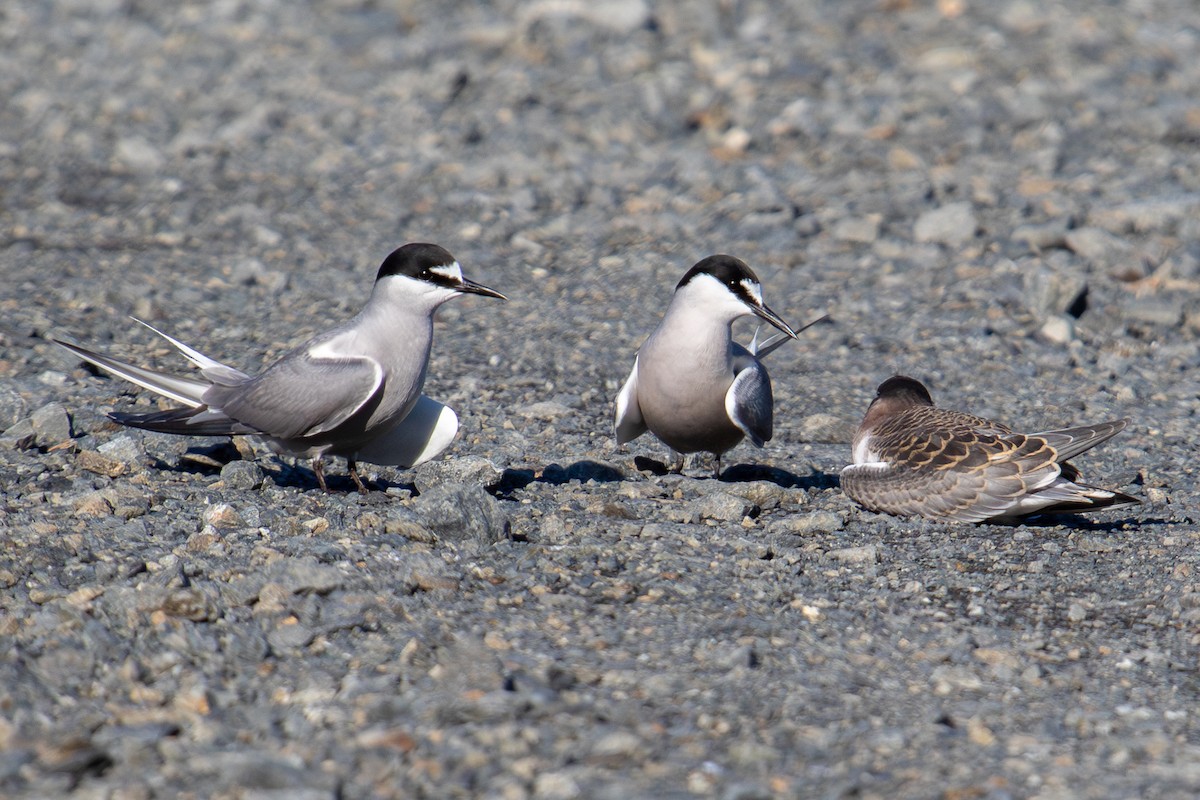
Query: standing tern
[[353, 391], [691, 385]]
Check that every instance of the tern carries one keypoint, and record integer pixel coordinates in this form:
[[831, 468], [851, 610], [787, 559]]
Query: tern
[[353, 391], [691, 385]]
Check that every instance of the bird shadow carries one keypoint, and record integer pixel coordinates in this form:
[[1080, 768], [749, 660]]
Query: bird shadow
[[750, 473], [1079, 522], [210, 459], [513, 480]]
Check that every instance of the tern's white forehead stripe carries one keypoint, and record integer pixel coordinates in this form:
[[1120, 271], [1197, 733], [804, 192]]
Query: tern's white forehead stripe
[[753, 288], [452, 271]]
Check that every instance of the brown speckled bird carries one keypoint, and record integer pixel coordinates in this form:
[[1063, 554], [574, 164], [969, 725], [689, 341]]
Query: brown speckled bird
[[914, 459]]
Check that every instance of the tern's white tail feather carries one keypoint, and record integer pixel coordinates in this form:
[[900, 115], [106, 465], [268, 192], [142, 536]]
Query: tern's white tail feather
[[211, 368], [183, 390]]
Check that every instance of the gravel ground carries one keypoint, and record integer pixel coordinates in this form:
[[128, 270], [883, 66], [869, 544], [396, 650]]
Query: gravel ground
[[1000, 199]]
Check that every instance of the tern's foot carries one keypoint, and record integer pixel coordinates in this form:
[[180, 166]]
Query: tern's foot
[[353, 467]]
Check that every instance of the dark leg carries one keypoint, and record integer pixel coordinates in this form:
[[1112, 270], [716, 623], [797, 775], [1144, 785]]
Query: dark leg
[[717, 466], [353, 467], [319, 470]]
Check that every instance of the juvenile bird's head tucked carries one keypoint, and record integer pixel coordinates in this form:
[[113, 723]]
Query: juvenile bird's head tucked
[[725, 288], [903, 391], [894, 396], [428, 269]]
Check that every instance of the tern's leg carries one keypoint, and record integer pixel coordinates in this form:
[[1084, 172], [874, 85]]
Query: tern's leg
[[352, 465], [717, 466], [319, 470]]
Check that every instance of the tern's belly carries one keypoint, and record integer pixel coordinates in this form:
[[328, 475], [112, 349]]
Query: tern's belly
[[688, 424]]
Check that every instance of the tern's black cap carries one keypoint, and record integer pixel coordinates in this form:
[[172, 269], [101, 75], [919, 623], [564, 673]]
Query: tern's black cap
[[727, 269], [417, 260]]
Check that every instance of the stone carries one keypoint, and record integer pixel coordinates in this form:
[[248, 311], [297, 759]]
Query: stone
[[951, 225], [720, 506], [242, 475], [51, 424], [459, 512], [815, 522]]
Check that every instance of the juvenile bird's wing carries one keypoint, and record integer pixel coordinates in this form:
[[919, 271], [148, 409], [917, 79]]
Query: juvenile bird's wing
[[942, 464], [628, 423]]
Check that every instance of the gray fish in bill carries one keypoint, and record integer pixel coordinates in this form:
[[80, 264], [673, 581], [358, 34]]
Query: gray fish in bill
[[913, 459], [353, 391], [691, 385]]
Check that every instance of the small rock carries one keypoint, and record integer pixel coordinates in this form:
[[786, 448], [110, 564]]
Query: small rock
[[242, 475], [1042, 237], [12, 407], [764, 494], [92, 504], [1098, 246], [1154, 310], [816, 522], [221, 515], [20, 435], [547, 410], [555, 786], [473, 470], [289, 635], [139, 155], [1076, 612], [864, 554], [1055, 289], [951, 224], [123, 448], [51, 424], [857, 230], [190, 603], [458, 512], [93, 461], [721, 506], [306, 576], [1059, 329], [616, 747], [402, 522]]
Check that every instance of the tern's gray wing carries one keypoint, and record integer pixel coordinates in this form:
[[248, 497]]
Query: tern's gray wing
[[300, 396], [628, 423], [749, 402]]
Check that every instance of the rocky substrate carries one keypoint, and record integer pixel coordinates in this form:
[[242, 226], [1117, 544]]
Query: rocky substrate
[[1000, 199]]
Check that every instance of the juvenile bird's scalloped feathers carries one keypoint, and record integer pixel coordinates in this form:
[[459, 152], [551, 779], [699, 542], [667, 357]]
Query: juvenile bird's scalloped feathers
[[914, 459]]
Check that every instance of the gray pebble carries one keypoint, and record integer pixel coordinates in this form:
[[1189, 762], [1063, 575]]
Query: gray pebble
[[720, 506], [124, 448], [242, 475], [810, 523], [51, 425], [951, 225], [469, 469], [458, 512]]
